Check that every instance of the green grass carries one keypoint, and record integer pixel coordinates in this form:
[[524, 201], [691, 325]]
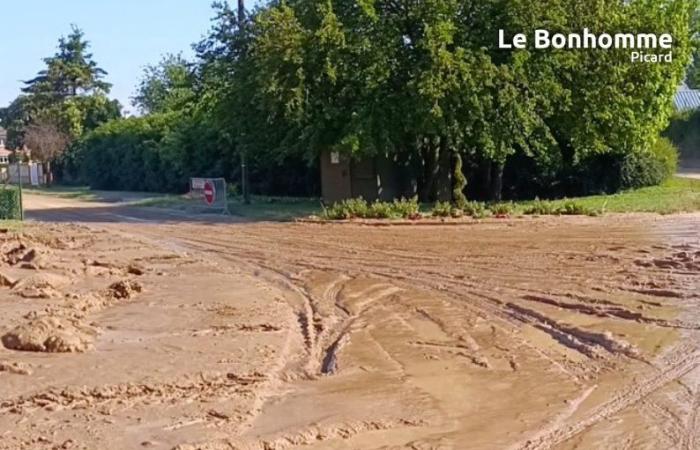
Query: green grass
[[673, 196], [275, 208], [11, 225]]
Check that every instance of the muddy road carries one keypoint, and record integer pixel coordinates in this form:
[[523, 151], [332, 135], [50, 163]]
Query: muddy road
[[139, 328]]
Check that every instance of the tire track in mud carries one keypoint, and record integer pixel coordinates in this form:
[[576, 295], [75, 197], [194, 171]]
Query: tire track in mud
[[686, 362], [486, 299], [692, 426]]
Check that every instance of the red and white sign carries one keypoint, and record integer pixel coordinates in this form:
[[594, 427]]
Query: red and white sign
[[209, 193]]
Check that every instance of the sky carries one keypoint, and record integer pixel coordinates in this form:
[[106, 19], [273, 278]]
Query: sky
[[125, 35]]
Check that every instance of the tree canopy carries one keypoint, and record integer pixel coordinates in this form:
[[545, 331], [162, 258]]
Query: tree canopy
[[422, 83]]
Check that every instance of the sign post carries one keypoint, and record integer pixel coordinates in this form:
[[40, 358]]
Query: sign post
[[209, 193]]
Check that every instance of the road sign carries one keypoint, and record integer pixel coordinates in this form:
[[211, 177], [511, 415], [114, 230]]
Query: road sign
[[209, 193], [198, 184]]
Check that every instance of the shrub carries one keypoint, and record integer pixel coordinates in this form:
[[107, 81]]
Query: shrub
[[9, 204], [358, 208], [406, 208], [476, 210], [380, 210], [347, 209], [540, 208], [442, 209], [567, 208], [571, 208], [651, 167], [502, 209]]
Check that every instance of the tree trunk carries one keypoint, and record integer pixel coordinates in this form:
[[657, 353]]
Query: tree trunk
[[497, 181], [241, 11], [431, 157]]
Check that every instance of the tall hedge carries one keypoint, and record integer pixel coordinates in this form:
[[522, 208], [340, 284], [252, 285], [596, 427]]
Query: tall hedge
[[9, 204]]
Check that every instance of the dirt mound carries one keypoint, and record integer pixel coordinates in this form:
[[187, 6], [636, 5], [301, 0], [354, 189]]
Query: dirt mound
[[26, 254], [41, 285], [50, 335], [17, 368], [124, 289]]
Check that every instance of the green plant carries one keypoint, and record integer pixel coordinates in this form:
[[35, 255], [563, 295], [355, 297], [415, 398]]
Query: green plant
[[359, 208], [442, 209], [561, 208], [502, 209], [459, 183], [540, 208], [406, 208], [649, 168], [347, 209], [380, 210], [572, 208], [9, 204], [476, 210]]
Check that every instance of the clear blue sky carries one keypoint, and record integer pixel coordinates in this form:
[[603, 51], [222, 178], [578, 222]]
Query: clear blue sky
[[125, 36]]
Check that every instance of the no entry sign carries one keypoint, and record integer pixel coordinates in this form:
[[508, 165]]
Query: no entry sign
[[209, 192]]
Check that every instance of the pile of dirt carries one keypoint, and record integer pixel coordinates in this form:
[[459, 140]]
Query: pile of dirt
[[18, 252], [41, 285], [50, 335], [17, 368], [124, 289]]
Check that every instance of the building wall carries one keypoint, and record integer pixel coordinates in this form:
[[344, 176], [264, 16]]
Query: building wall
[[335, 178], [375, 178]]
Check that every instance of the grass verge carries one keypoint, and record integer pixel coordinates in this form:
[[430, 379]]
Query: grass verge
[[674, 196]]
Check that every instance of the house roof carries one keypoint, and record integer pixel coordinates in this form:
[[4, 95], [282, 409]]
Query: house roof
[[687, 99], [4, 152]]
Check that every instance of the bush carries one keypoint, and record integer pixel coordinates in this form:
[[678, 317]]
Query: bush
[[476, 210], [358, 208], [571, 208], [407, 208], [9, 204], [650, 168], [442, 209], [502, 209], [684, 132], [347, 209], [567, 208], [541, 208]]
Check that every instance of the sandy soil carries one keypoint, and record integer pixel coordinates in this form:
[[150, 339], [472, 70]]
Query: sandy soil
[[129, 328]]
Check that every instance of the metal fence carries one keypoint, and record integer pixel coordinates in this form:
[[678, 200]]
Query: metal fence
[[210, 193]]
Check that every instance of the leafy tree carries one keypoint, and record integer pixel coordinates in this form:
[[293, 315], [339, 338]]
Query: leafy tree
[[69, 73], [167, 86], [62, 102]]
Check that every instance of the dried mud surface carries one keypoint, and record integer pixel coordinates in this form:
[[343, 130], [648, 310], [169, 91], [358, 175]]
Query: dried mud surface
[[145, 331]]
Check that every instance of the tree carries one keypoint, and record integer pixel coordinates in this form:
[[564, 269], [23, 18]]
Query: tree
[[47, 142], [70, 72], [166, 86], [63, 102]]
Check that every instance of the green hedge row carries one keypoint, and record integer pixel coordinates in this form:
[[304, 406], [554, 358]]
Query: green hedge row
[[9, 204]]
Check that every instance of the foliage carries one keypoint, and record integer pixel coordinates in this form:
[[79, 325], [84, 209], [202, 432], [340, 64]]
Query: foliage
[[167, 86], [459, 183], [359, 208], [69, 97], [442, 209], [563, 208], [9, 204], [347, 209], [502, 209], [476, 210], [684, 132], [650, 168], [422, 82]]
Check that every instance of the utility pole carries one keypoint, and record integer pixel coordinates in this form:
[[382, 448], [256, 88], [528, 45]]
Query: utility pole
[[19, 183], [245, 181]]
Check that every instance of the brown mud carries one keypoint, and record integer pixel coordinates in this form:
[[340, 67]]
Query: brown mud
[[147, 331]]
